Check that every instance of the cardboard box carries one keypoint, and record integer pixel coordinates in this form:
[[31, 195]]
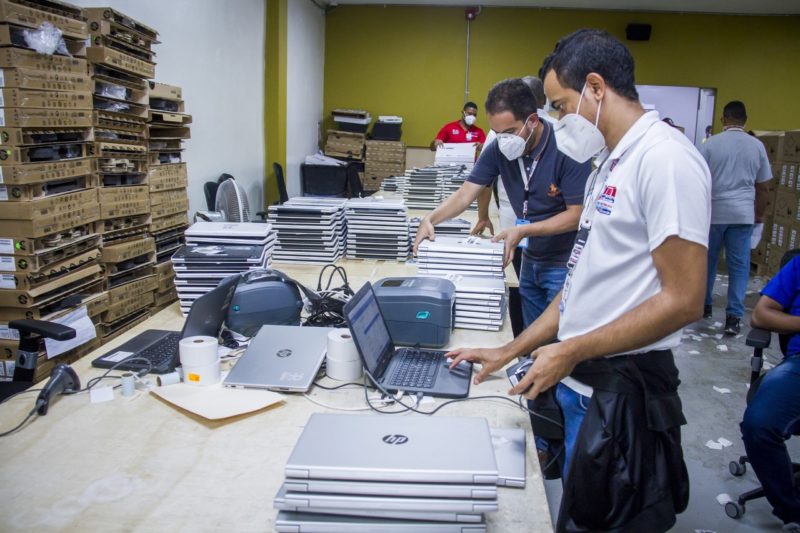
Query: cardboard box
[[39, 259], [39, 136], [26, 78], [109, 332], [51, 291], [26, 193], [168, 177], [14, 97], [13, 35], [13, 229], [129, 124], [28, 59], [124, 251], [791, 145], [166, 92], [121, 108], [345, 144], [45, 244], [114, 195], [116, 149], [773, 143], [20, 117], [786, 173], [128, 307], [124, 209], [119, 294], [165, 298], [22, 280], [164, 270], [785, 210], [157, 132], [166, 284], [175, 207], [107, 21], [20, 155], [48, 207], [163, 197], [119, 60], [134, 94], [126, 226], [44, 172], [66, 17], [167, 222]]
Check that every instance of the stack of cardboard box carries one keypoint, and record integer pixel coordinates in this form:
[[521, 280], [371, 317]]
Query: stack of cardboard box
[[49, 246], [169, 126], [384, 159], [345, 145], [782, 220], [121, 59]]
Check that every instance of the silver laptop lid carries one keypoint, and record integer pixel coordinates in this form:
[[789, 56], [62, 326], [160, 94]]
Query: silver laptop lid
[[509, 452], [377, 448], [377, 488], [292, 522], [284, 358]]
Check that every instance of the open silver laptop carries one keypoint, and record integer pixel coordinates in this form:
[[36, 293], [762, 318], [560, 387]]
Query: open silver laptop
[[281, 358], [412, 449], [292, 522]]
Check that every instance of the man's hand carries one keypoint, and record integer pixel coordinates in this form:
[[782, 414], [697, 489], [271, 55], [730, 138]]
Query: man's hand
[[481, 226], [551, 364], [425, 231], [510, 238], [436, 144], [492, 359]]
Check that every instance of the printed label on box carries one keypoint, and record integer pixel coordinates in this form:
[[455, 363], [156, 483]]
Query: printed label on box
[[1, 174], [8, 333], [7, 264], [6, 246], [2, 78], [2, 100], [7, 281], [3, 193], [10, 368]]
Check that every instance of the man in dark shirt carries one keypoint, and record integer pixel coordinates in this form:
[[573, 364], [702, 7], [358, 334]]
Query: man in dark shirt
[[544, 186]]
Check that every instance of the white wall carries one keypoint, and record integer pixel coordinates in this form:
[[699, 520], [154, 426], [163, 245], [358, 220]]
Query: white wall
[[305, 67], [214, 50], [678, 103]]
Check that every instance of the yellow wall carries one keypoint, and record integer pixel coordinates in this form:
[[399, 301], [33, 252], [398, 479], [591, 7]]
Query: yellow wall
[[409, 61], [274, 95]]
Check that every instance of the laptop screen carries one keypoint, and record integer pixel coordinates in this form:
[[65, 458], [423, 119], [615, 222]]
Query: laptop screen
[[369, 329]]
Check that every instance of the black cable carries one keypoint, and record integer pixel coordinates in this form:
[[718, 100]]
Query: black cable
[[4, 400], [335, 387], [10, 431], [328, 311], [97, 379]]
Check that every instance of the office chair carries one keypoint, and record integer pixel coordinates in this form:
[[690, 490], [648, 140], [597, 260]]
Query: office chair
[[210, 190], [281, 182], [759, 339]]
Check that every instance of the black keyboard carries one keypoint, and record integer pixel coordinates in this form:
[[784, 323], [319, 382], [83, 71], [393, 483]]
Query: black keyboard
[[162, 356], [416, 369]]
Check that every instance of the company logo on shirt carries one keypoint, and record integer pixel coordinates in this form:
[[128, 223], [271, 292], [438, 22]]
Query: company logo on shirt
[[469, 136], [605, 203], [454, 132], [553, 191]]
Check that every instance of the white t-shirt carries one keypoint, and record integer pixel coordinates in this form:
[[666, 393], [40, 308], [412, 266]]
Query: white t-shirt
[[508, 219], [655, 184]]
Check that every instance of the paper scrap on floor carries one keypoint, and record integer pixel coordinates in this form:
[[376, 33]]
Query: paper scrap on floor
[[722, 390], [216, 402]]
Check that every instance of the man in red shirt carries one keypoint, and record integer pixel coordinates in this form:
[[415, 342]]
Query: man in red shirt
[[461, 131]]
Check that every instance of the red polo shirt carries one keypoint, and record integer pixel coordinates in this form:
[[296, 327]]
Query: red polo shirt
[[454, 132]]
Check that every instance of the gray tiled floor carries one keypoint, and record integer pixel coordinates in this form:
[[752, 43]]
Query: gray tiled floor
[[712, 415]]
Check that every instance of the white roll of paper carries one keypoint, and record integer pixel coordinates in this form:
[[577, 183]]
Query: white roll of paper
[[343, 362], [200, 360]]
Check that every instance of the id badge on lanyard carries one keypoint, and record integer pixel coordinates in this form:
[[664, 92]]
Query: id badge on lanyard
[[526, 178]]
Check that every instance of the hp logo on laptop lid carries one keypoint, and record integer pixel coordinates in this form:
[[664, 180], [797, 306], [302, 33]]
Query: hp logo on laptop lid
[[395, 439], [283, 353]]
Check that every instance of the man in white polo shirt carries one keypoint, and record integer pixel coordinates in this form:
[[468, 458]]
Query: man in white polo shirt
[[636, 278]]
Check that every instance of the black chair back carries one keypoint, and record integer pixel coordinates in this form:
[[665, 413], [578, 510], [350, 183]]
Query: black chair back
[[281, 182], [210, 190]]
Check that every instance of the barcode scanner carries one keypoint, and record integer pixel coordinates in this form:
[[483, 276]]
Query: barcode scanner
[[63, 380]]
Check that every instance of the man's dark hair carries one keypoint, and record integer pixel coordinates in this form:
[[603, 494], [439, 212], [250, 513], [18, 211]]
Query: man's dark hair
[[735, 112], [511, 95], [470, 104], [587, 50], [537, 87]]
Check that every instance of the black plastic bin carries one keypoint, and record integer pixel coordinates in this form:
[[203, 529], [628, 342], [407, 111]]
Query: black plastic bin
[[387, 131]]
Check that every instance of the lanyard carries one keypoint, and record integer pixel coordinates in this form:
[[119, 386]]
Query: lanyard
[[528, 176]]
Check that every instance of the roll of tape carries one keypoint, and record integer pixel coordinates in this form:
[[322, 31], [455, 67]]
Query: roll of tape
[[168, 379], [128, 384], [343, 362], [200, 360]]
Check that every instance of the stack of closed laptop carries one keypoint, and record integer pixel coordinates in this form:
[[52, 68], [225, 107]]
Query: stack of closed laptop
[[466, 256], [423, 187], [377, 229], [393, 184], [451, 227], [310, 230], [480, 302], [216, 250], [459, 155], [452, 182], [360, 473]]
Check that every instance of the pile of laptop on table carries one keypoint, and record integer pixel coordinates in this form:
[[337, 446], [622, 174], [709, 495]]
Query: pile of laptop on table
[[216, 250], [310, 230], [480, 302], [467, 256], [423, 187], [377, 229], [393, 184], [363, 473], [450, 227]]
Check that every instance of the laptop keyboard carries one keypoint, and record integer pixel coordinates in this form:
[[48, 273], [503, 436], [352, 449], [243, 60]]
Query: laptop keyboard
[[161, 355], [417, 369]]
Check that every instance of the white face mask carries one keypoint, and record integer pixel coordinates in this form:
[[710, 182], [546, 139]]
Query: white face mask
[[469, 120], [578, 138], [512, 145]]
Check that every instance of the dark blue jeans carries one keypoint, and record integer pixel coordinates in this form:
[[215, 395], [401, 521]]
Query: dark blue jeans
[[538, 285], [771, 418]]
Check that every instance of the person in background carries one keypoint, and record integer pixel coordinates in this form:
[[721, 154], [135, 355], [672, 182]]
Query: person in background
[[739, 172], [463, 130], [636, 278], [773, 414]]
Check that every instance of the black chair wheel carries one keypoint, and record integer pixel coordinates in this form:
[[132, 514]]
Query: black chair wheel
[[737, 469], [734, 510]]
